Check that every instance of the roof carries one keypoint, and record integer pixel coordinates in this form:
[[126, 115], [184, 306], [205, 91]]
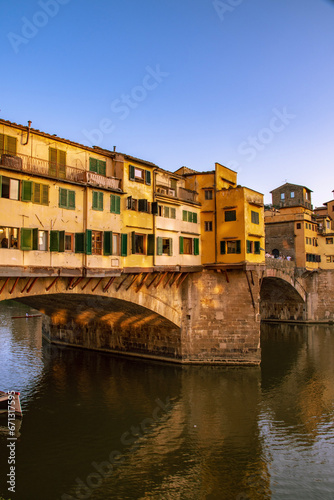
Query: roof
[[289, 184]]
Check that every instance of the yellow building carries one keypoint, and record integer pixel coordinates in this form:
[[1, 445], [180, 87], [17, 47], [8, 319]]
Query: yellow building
[[232, 223], [325, 218]]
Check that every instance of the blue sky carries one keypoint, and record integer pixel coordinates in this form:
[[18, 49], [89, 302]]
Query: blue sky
[[247, 83]]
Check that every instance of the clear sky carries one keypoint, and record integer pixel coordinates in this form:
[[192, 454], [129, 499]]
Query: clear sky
[[246, 83]]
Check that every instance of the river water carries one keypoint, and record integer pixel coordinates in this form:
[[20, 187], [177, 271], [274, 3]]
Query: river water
[[103, 427]]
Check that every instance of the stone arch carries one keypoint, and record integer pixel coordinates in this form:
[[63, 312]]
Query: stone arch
[[281, 298]]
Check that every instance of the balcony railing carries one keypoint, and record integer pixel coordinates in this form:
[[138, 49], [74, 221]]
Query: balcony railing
[[45, 168], [180, 193]]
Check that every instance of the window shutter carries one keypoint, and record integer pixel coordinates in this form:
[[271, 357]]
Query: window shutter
[[11, 145], [238, 250], [53, 161], [257, 247], [184, 215], [26, 194], [2, 143], [133, 243], [181, 245], [173, 213], [101, 167], [95, 200], [118, 204], [150, 244], [93, 165], [142, 205], [61, 160], [147, 177], [88, 241], [166, 211], [190, 216], [195, 217], [26, 239], [100, 201], [155, 208], [107, 243], [112, 203], [61, 247], [170, 246], [54, 241], [129, 202], [62, 198], [159, 245], [196, 246], [71, 200], [79, 239], [35, 239], [222, 247], [124, 245], [248, 246], [36, 193], [131, 173], [45, 194]]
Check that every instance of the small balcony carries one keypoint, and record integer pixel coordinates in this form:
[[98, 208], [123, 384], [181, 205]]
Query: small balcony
[[44, 168], [178, 193]]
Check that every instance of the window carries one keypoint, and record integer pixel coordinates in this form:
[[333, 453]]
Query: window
[[97, 242], [164, 246], [330, 258], [208, 194], [57, 241], [116, 242], [173, 213], [230, 215], [57, 163], [97, 166], [166, 211], [255, 218], [298, 225], [9, 237], [9, 188], [292, 194], [188, 246], [42, 240], [143, 205], [233, 246], [131, 203], [66, 198], [35, 192], [8, 144], [97, 203], [208, 225], [329, 241], [138, 243], [69, 242], [282, 196], [115, 204], [250, 246], [327, 224], [189, 216], [139, 175]]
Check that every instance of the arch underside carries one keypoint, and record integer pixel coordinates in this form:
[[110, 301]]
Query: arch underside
[[280, 300]]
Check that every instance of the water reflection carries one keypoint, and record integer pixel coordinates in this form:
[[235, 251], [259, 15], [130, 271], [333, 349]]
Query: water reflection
[[101, 427]]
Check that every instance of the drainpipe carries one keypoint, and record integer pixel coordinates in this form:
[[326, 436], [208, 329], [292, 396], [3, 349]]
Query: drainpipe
[[154, 217], [29, 125], [215, 212]]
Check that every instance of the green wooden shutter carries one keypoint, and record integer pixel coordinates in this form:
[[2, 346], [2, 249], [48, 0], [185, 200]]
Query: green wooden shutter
[[112, 203], [170, 246], [124, 245], [61, 163], [159, 245], [150, 244], [2, 143], [63, 198], [101, 167], [118, 204], [35, 239], [184, 215], [71, 200], [256, 247], [36, 197], [196, 246], [190, 216], [131, 173], [54, 241], [100, 201], [93, 165], [26, 239], [11, 145], [53, 162], [173, 213], [248, 243], [133, 242], [107, 243], [97, 200], [181, 245], [89, 242], [45, 194], [195, 217], [61, 247], [79, 242], [147, 177], [222, 247], [238, 250], [26, 194]]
